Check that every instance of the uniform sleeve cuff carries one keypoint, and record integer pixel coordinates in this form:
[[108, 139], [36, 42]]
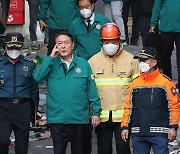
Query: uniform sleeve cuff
[[174, 127], [124, 128], [96, 114]]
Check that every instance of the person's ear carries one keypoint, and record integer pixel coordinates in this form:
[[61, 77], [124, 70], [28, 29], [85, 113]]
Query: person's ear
[[93, 6], [73, 45], [154, 62]]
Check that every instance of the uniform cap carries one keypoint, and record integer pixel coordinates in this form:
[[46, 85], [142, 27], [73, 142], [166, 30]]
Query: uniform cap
[[110, 31], [147, 52], [14, 40]]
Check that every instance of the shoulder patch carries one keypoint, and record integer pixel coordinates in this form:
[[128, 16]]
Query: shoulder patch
[[173, 90], [166, 77], [28, 59]]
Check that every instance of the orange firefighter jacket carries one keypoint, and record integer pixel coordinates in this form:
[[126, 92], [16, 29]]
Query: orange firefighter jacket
[[151, 106], [113, 77]]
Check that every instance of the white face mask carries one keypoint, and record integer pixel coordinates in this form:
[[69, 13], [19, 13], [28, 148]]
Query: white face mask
[[144, 67], [86, 13], [13, 53], [110, 49]]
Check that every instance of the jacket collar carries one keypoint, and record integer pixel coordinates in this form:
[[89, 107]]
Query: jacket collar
[[82, 20], [151, 76], [97, 19], [6, 59], [74, 60]]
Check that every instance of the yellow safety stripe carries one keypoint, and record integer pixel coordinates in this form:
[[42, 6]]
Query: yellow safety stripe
[[115, 114], [104, 114], [135, 75], [112, 81]]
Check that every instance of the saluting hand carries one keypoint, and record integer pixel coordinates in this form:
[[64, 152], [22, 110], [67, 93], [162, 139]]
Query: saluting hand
[[55, 52], [95, 121]]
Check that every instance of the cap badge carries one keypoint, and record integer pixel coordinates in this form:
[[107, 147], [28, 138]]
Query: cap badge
[[143, 51], [14, 38], [173, 90]]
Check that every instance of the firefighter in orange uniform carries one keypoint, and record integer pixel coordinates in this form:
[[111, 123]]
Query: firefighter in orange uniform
[[151, 110], [113, 69]]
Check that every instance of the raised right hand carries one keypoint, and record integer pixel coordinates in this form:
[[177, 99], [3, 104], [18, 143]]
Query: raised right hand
[[55, 52]]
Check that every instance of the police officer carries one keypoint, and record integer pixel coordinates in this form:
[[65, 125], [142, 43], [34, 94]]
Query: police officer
[[18, 90]]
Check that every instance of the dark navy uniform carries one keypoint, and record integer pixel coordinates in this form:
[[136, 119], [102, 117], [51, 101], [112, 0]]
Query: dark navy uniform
[[18, 90]]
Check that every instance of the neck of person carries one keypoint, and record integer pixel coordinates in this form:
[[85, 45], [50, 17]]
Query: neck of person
[[153, 69], [13, 60], [67, 58], [89, 17]]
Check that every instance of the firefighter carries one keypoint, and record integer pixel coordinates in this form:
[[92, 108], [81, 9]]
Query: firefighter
[[113, 69], [151, 109]]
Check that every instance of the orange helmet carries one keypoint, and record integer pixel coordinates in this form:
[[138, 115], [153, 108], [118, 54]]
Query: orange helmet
[[110, 31]]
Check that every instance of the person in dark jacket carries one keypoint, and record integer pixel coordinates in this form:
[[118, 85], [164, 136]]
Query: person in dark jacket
[[18, 90], [143, 11], [128, 5], [33, 14], [151, 110]]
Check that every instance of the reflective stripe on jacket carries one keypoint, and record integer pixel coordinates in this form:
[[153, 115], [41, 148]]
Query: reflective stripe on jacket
[[113, 77], [152, 106], [115, 114]]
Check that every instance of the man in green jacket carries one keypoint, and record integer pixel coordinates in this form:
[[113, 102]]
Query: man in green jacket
[[60, 15], [87, 35], [167, 13], [71, 94]]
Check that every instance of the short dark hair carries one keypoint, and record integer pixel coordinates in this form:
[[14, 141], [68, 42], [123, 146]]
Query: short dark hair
[[91, 1], [64, 33]]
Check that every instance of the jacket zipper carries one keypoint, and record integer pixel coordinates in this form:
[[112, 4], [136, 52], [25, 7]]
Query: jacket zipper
[[152, 95]]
